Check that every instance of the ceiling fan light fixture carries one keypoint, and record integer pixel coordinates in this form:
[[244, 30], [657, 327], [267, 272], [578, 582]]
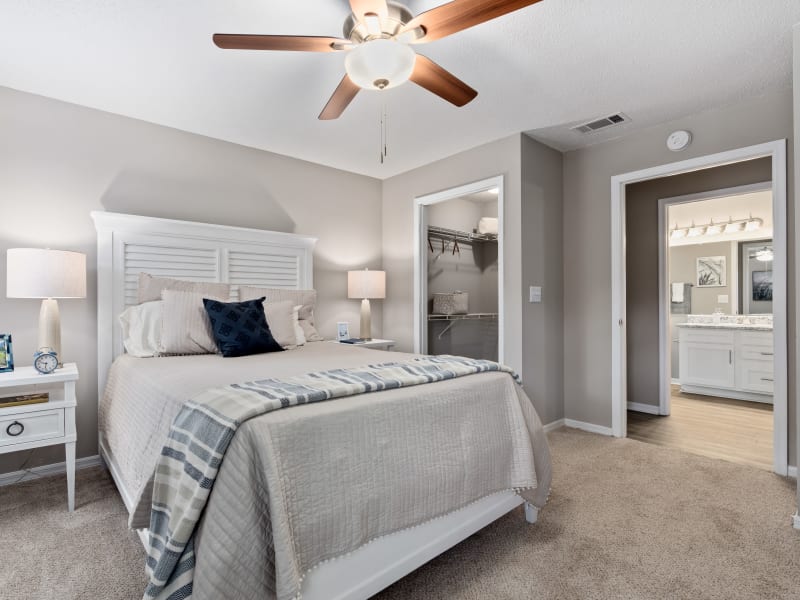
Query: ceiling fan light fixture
[[380, 64], [765, 255]]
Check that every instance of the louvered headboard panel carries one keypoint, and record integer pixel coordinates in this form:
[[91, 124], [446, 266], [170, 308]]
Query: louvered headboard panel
[[128, 245]]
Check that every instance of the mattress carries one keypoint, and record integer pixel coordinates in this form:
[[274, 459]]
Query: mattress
[[310, 483]]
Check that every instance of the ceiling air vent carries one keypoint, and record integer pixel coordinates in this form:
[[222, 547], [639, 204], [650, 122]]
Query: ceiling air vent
[[599, 124]]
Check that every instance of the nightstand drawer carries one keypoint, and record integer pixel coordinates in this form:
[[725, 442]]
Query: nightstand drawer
[[35, 426]]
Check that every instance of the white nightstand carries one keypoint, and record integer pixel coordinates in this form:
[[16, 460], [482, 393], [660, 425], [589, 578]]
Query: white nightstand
[[374, 343], [44, 424]]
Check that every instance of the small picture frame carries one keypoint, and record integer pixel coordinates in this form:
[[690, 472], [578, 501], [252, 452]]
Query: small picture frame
[[6, 353], [342, 330]]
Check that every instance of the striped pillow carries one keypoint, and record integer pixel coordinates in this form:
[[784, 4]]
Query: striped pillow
[[185, 328]]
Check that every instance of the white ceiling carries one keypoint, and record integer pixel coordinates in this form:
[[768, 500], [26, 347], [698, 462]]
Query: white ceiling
[[557, 62], [720, 210]]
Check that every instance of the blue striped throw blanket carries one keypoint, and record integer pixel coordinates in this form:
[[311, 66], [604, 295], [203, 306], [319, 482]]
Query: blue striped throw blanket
[[205, 426]]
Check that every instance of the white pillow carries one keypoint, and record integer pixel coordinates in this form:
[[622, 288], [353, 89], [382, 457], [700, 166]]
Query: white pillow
[[281, 324], [185, 327], [141, 329], [298, 331]]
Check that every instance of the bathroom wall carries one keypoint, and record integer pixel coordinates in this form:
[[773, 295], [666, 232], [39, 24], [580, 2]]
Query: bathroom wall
[[683, 268]]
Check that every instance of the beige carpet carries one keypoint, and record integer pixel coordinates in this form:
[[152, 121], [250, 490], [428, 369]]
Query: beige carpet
[[625, 520]]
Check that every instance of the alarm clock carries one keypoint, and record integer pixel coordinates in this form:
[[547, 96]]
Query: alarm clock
[[45, 361]]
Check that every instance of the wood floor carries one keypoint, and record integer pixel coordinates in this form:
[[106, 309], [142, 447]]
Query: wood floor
[[732, 430]]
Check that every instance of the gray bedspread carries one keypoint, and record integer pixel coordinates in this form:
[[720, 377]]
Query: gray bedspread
[[314, 482]]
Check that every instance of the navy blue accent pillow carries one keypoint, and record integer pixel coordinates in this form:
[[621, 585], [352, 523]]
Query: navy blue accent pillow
[[240, 328]]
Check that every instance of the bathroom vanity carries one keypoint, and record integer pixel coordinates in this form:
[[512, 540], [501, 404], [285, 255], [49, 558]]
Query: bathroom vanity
[[730, 357]]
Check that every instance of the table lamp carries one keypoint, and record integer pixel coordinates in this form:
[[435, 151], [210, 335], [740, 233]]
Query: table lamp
[[46, 274], [366, 284]]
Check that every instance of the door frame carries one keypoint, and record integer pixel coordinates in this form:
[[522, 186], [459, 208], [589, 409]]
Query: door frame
[[665, 341], [776, 150], [421, 262]]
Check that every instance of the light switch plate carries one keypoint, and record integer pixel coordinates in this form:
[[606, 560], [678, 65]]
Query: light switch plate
[[722, 298], [535, 294]]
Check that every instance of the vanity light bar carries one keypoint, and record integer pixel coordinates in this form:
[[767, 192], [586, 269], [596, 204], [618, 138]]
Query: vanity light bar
[[749, 224]]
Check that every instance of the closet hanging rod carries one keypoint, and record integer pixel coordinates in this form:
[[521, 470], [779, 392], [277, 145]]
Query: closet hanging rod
[[443, 233]]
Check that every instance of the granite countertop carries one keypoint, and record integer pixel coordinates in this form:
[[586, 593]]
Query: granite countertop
[[734, 326]]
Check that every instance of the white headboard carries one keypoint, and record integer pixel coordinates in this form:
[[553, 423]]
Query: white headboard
[[130, 244]]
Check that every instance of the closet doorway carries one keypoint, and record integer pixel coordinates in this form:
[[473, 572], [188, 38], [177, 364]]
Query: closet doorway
[[458, 269]]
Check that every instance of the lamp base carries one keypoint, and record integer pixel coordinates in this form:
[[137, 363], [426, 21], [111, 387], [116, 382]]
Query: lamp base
[[366, 321], [50, 327]]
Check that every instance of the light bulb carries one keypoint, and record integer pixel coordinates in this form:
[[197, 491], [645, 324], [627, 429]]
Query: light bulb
[[753, 225], [732, 227]]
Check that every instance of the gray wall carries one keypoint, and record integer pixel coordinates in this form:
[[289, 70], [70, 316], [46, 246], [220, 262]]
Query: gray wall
[[59, 161], [683, 268], [532, 246], [542, 264], [496, 158], [642, 241], [587, 248]]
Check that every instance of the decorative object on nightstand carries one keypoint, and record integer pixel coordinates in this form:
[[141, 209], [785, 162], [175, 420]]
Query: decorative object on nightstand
[[46, 274], [44, 417], [342, 331], [366, 285], [6, 353], [45, 360]]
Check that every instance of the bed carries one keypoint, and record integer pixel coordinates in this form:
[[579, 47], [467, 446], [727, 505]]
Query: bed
[[333, 500]]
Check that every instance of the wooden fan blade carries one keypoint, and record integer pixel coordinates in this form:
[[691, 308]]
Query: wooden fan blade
[[235, 41], [441, 82], [342, 97], [459, 15], [365, 7]]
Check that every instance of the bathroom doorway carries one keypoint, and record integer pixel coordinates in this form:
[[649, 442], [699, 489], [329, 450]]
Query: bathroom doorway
[[716, 324], [640, 339]]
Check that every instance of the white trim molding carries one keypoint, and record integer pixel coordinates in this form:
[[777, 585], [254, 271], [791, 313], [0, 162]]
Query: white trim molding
[[776, 150], [558, 424], [650, 409], [48, 470], [796, 521], [590, 427], [792, 472]]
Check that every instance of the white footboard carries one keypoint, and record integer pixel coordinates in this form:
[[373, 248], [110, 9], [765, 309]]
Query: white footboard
[[380, 563]]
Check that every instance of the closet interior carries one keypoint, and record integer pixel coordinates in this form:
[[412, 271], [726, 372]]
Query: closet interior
[[462, 307]]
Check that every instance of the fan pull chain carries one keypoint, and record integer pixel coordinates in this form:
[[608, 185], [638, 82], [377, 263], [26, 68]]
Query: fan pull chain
[[384, 134]]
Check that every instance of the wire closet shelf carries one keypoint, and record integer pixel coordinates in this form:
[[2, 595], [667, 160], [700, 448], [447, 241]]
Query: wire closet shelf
[[443, 233]]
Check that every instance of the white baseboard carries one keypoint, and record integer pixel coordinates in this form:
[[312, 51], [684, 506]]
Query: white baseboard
[[650, 409], [796, 521], [554, 425], [792, 471], [675, 381], [590, 427], [48, 470]]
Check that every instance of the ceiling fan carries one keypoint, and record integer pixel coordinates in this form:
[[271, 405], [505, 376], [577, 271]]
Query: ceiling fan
[[377, 39]]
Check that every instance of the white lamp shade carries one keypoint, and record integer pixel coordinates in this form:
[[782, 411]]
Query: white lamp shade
[[366, 284], [37, 273], [380, 64]]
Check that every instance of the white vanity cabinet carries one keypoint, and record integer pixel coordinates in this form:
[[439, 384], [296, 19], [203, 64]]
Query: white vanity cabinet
[[754, 362], [726, 362]]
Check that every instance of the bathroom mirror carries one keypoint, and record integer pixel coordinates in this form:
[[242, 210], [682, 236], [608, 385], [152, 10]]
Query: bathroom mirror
[[755, 277]]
